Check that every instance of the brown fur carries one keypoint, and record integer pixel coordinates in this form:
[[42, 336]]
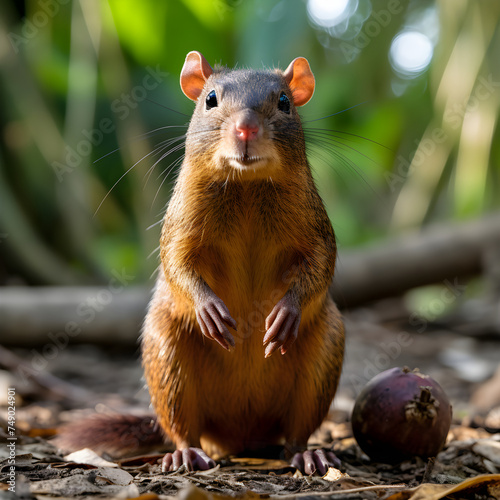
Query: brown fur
[[115, 435], [250, 238]]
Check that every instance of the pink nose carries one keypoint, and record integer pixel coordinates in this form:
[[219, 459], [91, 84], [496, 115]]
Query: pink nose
[[246, 128]]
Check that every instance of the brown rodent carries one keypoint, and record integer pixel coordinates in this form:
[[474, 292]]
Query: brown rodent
[[242, 344], [247, 256]]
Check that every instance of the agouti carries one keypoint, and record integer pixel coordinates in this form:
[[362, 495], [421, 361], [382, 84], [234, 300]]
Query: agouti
[[242, 343], [247, 256]]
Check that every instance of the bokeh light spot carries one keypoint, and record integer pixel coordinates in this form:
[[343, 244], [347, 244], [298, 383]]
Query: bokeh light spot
[[327, 13], [410, 53]]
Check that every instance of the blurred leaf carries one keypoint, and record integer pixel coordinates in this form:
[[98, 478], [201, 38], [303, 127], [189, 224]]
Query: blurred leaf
[[141, 27], [87, 62]]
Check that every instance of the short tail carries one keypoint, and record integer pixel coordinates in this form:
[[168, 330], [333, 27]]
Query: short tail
[[116, 435]]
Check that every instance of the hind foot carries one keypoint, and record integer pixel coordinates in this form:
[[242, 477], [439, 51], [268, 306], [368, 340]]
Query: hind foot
[[192, 458], [310, 461]]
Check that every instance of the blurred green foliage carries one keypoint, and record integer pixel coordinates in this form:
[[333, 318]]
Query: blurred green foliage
[[84, 82]]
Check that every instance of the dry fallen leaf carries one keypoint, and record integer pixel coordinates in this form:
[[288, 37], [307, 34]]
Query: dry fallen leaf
[[115, 476], [334, 474], [260, 464], [88, 482], [89, 457], [139, 461], [194, 493], [46, 432], [439, 491], [489, 449]]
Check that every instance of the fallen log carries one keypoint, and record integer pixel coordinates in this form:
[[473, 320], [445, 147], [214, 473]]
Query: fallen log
[[433, 255], [55, 316], [108, 315]]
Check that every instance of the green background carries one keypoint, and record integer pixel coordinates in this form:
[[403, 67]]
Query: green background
[[81, 195]]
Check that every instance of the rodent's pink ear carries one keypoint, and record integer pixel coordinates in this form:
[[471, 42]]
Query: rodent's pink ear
[[300, 80], [195, 72]]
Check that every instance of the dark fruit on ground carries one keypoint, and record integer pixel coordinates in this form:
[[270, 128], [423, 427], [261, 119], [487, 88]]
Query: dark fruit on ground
[[401, 414]]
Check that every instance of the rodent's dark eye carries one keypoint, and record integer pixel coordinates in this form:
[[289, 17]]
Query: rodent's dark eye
[[211, 100], [284, 103]]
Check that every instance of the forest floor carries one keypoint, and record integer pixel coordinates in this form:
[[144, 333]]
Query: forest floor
[[461, 352]]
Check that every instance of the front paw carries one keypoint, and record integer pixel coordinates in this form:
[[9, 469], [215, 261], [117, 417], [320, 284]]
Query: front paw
[[282, 325], [213, 316]]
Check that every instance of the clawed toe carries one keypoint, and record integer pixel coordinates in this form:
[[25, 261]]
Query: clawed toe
[[311, 461], [191, 458]]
